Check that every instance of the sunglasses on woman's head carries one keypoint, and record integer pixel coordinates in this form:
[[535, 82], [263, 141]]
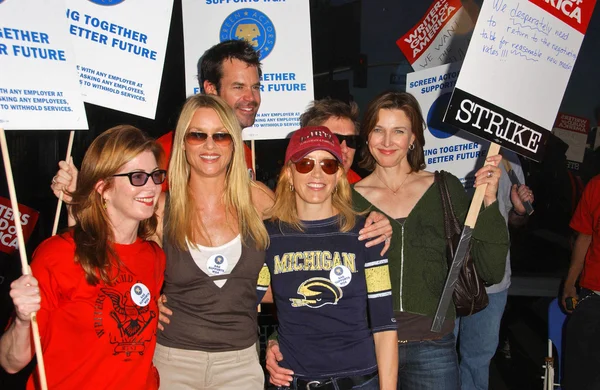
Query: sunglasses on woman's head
[[352, 141], [139, 178], [198, 138], [306, 165]]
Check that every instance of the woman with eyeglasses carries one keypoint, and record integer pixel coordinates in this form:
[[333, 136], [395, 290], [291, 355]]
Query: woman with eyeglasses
[[96, 286], [333, 295]]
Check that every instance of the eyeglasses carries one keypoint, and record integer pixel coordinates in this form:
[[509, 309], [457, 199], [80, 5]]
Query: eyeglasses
[[328, 165], [352, 141], [139, 178], [198, 138]]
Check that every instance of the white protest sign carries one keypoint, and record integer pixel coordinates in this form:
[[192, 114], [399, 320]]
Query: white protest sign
[[446, 147], [574, 131], [441, 36], [280, 31], [516, 71], [120, 47], [38, 78]]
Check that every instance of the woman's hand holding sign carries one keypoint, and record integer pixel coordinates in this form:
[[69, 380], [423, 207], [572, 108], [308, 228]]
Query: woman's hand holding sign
[[65, 180]]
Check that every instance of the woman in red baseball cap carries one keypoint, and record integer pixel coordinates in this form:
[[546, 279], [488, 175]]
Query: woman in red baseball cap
[[333, 295]]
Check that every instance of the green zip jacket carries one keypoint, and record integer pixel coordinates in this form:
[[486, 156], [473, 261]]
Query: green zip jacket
[[417, 254]]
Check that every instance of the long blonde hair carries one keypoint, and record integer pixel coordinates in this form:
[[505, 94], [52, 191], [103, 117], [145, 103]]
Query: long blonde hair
[[182, 220], [285, 209], [92, 232]]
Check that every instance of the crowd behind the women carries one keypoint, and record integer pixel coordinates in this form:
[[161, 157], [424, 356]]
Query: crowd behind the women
[[353, 315]]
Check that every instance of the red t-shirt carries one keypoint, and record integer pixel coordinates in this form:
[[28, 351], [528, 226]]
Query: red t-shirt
[[98, 337], [166, 141], [353, 177], [586, 220]]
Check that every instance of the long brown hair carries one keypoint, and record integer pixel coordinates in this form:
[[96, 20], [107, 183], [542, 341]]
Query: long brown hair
[[181, 223], [407, 103], [92, 232]]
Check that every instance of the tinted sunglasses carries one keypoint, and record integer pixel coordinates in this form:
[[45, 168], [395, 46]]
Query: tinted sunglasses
[[198, 138], [328, 165], [138, 179], [352, 141]]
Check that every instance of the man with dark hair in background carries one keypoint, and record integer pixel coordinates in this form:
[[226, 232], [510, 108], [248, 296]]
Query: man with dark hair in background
[[342, 119], [231, 70]]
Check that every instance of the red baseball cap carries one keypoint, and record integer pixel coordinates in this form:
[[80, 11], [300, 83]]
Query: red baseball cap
[[311, 138]]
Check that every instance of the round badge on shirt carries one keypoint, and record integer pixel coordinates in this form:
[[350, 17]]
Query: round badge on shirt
[[140, 294], [217, 264], [340, 275]]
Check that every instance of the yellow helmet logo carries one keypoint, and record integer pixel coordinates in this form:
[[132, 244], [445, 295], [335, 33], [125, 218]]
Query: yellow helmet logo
[[249, 32], [317, 292]]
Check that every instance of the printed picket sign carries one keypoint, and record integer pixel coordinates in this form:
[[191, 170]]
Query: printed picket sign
[[280, 32], [38, 81]]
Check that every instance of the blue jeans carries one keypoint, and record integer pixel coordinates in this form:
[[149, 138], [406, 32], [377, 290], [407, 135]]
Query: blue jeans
[[371, 384], [477, 342], [428, 365]]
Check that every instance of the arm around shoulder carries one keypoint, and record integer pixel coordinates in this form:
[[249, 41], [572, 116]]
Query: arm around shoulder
[[160, 213], [262, 197]]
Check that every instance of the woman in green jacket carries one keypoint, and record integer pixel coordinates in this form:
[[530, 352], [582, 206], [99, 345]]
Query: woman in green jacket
[[398, 186]]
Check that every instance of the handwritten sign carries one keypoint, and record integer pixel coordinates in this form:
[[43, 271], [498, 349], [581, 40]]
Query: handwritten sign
[[8, 231], [38, 82], [441, 36], [280, 32], [574, 131], [120, 55], [516, 71]]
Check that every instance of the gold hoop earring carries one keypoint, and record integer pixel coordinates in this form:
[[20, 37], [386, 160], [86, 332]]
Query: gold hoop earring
[[291, 187]]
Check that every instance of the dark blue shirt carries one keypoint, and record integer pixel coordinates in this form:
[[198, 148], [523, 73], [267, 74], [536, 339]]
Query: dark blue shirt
[[332, 293]]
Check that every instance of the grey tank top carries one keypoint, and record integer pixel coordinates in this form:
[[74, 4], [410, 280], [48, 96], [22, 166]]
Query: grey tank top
[[206, 317]]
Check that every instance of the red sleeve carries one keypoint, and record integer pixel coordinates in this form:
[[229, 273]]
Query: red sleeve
[[166, 141], [48, 267], [353, 177], [582, 220]]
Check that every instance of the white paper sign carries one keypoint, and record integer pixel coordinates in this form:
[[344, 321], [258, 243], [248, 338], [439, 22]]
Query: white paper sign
[[446, 147], [38, 78], [516, 70], [281, 32], [120, 47]]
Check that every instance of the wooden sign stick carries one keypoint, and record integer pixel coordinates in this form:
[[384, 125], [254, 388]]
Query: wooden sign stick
[[24, 264], [60, 197], [461, 250], [253, 148]]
